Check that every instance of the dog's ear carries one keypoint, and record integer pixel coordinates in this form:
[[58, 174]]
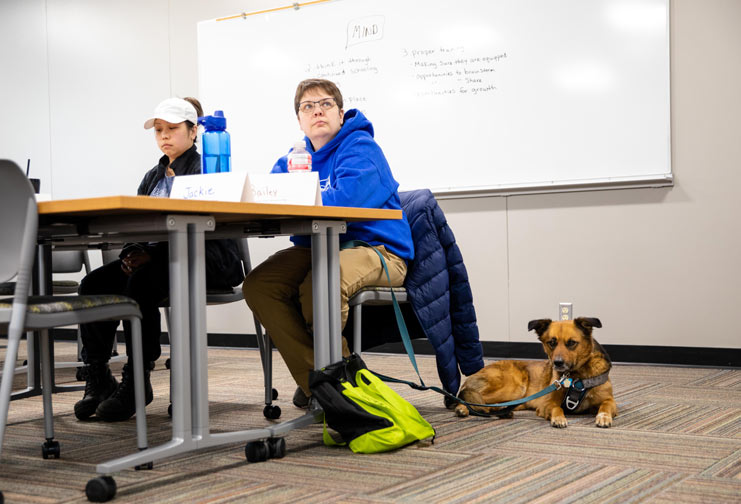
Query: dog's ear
[[540, 325], [587, 323]]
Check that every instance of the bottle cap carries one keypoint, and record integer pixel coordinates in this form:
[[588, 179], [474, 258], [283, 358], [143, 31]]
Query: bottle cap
[[301, 144], [216, 122]]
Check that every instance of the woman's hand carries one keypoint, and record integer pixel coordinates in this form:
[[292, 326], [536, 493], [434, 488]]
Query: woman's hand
[[135, 260]]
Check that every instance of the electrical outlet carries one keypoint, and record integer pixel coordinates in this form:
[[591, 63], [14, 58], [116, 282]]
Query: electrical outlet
[[565, 311]]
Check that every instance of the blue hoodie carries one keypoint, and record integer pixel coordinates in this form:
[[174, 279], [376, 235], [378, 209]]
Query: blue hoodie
[[353, 172]]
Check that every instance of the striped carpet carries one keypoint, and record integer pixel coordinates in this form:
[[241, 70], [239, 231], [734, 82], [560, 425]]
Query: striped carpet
[[677, 439]]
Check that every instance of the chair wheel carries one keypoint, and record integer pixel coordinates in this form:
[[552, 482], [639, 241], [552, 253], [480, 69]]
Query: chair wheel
[[100, 489], [275, 394], [272, 412], [167, 363], [256, 451], [277, 447], [50, 448], [169, 411]]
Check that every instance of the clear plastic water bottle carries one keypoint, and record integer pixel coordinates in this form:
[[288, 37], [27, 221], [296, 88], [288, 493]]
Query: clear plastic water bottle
[[299, 160], [217, 149]]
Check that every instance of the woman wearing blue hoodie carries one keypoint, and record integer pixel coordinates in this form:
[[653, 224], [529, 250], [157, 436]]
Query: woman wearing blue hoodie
[[353, 172]]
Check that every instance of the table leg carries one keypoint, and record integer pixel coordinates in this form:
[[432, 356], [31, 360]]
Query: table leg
[[187, 273], [333, 284], [198, 329], [320, 297]]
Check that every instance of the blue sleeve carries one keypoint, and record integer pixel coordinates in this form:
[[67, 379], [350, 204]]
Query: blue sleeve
[[362, 177], [281, 166]]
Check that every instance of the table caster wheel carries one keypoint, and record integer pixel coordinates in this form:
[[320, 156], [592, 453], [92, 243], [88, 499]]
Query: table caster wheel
[[272, 412], [275, 394], [100, 489], [277, 447], [256, 451], [50, 449]]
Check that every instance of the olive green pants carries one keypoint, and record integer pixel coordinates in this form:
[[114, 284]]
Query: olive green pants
[[279, 293]]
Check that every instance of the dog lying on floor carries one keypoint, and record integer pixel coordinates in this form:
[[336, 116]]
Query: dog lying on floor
[[571, 351]]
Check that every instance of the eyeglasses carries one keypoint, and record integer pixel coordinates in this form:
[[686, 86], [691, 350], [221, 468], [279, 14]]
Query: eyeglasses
[[307, 107]]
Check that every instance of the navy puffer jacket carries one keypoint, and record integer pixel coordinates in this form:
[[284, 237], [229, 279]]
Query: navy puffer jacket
[[439, 292]]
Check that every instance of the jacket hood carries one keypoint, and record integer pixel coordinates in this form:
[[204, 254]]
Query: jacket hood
[[354, 120]]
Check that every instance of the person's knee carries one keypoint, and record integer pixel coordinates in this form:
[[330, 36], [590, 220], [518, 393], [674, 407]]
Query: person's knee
[[253, 289], [85, 286], [147, 287], [93, 283]]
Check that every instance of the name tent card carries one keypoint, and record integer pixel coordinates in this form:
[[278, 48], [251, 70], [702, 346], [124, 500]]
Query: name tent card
[[229, 186], [284, 188], [288, 188]]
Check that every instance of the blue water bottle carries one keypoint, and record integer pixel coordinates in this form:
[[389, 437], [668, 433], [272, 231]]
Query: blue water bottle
[[217, 149]]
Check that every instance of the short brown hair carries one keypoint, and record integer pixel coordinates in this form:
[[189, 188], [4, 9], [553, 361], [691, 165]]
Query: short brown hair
[[328, 87]]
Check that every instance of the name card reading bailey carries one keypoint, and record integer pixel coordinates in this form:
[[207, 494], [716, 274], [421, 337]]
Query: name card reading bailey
[[287, 188], [229, 186]]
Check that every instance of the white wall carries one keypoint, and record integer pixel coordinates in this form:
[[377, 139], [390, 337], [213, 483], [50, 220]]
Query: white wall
[[658, 266]]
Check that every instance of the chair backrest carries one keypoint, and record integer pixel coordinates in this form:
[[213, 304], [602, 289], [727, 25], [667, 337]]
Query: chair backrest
[[244, 250], [17, 214], [69, 261], [110, 255], [18, 228]]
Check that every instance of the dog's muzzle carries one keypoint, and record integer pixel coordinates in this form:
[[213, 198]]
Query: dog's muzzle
[[560, 365]]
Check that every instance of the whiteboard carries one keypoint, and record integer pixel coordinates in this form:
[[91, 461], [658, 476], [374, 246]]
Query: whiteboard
[[471, 97]]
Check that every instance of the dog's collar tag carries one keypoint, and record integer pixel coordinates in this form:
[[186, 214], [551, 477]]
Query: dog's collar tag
[[564, 382]]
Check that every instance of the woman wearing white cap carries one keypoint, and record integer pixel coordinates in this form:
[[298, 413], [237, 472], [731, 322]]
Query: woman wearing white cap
[[142, 271]]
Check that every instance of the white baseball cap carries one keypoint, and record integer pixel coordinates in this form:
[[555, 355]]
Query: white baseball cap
[[173, 110]]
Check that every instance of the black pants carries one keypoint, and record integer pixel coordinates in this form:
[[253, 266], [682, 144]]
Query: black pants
[[148, 286]]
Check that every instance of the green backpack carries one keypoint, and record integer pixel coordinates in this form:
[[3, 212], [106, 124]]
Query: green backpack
[[369, 416]]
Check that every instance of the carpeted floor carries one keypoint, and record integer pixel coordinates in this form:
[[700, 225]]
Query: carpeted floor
[[677, 439]]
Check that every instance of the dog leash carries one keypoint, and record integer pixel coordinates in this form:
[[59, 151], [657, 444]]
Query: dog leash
[[508, 406]]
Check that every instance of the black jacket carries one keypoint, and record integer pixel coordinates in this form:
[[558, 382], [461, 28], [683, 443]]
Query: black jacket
[[223, 260]]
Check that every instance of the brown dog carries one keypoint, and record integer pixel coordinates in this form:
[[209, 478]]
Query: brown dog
[[572, 352]]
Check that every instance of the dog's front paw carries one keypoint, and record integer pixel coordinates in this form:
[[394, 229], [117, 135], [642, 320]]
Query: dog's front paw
[[559, 422], [603, 420], [461, 411]]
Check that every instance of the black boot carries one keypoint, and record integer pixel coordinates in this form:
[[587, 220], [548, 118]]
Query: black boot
[[121, 405], [99, 386]]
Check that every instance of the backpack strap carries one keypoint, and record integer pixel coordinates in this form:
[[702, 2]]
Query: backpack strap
[[327, 437], [405, 339]]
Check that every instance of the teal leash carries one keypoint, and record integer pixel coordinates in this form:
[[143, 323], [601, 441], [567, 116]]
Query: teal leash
[[407, 342]]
